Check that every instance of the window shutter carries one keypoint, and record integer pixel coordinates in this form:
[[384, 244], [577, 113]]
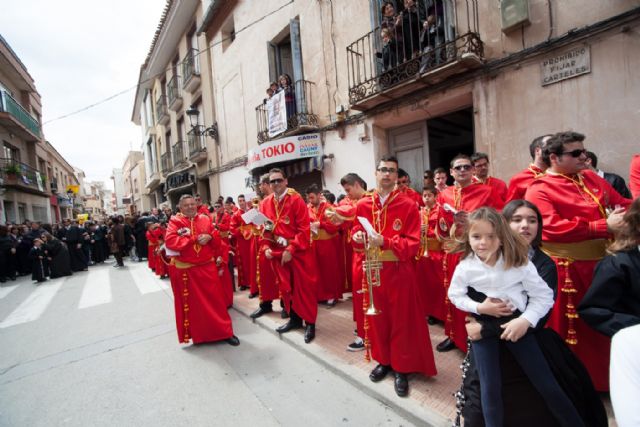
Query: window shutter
[[296, 56], [271, 53]]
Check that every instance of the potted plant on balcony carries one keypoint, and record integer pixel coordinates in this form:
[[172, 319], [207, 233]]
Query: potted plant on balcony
[[12, 170]]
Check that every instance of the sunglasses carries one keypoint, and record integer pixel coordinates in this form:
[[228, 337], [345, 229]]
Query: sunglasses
[[575, 153], [387, 170], [463, 168], [276, 181]]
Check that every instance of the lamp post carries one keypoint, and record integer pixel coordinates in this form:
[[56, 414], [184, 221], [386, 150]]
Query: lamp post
[[197, 129]]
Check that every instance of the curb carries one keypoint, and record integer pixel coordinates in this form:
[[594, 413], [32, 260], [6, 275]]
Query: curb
[[417, 414]]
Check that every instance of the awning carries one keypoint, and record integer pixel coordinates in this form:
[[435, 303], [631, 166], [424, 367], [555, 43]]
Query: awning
[[280, 150]]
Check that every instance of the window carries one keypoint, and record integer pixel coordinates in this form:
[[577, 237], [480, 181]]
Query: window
[[228, 32], [285, 54], [10, 152]]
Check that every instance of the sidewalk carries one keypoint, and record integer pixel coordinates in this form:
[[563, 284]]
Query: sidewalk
[[430, 401]]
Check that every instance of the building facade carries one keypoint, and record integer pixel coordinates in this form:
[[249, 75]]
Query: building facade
[[136, 199], [118, 204], [478, 76], [33, 175]]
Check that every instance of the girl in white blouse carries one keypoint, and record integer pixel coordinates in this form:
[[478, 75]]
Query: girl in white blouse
[[495, 264]]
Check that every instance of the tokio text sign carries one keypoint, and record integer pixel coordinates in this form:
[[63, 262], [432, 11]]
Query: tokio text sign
[[568, 64], [283, 149]]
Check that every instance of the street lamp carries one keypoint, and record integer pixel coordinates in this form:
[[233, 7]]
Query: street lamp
[[196, 129]]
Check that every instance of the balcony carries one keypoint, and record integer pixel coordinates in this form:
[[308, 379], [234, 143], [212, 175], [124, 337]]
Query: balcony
[[178, 153], [197, 147], [191, 71], [410, 59], [162, 115], [300, 116], [174, 93], [165, 162], [17, 120], [22, 177]]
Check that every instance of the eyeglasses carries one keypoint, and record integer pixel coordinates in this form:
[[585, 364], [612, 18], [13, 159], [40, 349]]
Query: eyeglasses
[[460, 168], [387, 170], [276, 181], [575, 153]]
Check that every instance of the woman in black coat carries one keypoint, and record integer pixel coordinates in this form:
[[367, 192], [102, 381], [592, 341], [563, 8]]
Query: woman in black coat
[[523, 405], [7, 255], [58, 254]]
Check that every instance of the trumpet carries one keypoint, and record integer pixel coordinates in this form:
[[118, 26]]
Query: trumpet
[[371, 267]]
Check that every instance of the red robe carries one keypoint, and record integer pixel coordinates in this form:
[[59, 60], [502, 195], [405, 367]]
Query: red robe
[[160, 262], [204, 210], [296, 279], [521, 181], [399, 334], [153, 245], [199, 300], [497, 184], [430, 272], [243, 236], [328, 254], [263, 273], [634, 176], [414, 195], [571, 215], [466, 199]]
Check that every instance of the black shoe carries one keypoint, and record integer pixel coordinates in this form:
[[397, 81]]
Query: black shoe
[[243, 288], [309, 333], [284, 314], [253, 295], [446, 345], [260, 311], [432, 320], [379, 372], [234, 341], [401, 384], [290, 325]]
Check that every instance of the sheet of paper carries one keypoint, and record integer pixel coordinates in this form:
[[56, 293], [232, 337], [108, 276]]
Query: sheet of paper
[[367, 226], [449, 208], [314, 228], [254, 216], [171, 252]]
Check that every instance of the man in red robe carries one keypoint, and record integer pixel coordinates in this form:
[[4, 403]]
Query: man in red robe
[[286, 244], [201, 311], [222, 224], [202, 208], [634, 176], [579, 210], [522, 180], [480, 162], [325, 246], [430, 257], [355, 189], [399, 332], [242, 235], [455, 203], [404, 185]]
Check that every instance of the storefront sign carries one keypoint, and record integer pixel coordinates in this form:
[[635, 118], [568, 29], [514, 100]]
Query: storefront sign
[[277, 114], [283, 149], [569, 64]]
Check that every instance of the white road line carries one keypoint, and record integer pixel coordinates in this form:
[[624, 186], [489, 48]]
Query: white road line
[[97, 290], [35, 304], [147, 281], [4, 291]]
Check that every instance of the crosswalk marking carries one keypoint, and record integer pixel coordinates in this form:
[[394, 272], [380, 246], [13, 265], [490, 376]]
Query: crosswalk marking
[[97, 290], [146, 284], [4, 291], [35, 304]]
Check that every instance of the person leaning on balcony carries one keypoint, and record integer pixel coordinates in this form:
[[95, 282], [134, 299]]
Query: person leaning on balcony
[[413, 21], [289, 94]]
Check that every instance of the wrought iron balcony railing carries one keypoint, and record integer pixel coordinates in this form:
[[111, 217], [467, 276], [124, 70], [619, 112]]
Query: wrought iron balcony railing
[[22, 176], [162, 115], [404, 50], [300, 116], [165, 162], [178, 153], [174, 93], [191, 70], [9, 105]]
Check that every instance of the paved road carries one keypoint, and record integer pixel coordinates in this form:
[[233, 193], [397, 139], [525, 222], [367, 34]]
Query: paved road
[[99, 348]]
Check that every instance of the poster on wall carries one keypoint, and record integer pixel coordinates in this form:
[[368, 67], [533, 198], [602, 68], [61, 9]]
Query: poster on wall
[[277, 114]]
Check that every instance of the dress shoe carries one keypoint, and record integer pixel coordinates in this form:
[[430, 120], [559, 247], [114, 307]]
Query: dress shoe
[[234, 341], [260, 311], [253, 295], [446, 345], [309, 333], [401, 384], [284, 314], [379, 372], [290, 325]]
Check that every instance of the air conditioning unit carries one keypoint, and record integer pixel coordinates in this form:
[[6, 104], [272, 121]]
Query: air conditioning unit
[[515, 14]]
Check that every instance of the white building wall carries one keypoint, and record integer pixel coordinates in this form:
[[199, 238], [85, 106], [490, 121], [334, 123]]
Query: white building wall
[[232, 183]]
